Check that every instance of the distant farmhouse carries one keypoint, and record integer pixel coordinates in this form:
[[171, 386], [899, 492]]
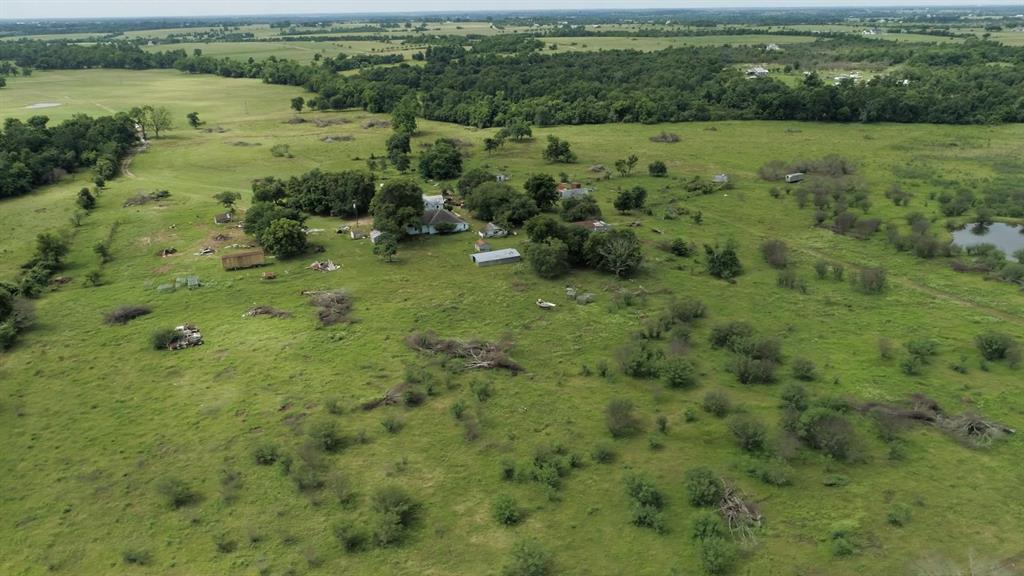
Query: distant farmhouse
[[438, 222], [569, 190], [757, 72], [435, 202], [772, 48]]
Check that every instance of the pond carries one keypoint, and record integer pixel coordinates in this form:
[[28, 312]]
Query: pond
[[1007, 237]]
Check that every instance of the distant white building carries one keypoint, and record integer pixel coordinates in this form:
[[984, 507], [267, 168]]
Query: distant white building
[[772, 48], [435, 202], [438, 222], [757, 72]]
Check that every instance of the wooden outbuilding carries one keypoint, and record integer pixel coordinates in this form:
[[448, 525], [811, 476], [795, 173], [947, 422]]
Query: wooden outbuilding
[[240, 260]]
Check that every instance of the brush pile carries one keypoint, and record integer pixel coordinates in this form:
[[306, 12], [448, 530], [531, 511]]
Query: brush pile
[[475, 353]]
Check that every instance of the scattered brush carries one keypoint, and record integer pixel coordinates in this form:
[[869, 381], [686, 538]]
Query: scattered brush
[[476, 353], [375, 123], [141, 199], [125, 314], [332, 307], [266, 311], [666, 137], [390, 398]]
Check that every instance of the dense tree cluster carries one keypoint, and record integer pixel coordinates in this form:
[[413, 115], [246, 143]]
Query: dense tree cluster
[[33, 154], [322, 193]]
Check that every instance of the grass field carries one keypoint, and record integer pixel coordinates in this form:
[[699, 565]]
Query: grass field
[[300, 51], [92, 419], [650, 44]]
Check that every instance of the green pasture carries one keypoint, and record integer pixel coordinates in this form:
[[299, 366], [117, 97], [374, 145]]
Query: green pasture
[[299, 50], [92, 419], [650, 44]]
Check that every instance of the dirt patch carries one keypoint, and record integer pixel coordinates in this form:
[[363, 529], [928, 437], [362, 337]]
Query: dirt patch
[[266, 311], [295, 120], [215, 130], [243, 143], [39, 105], [325, 122]]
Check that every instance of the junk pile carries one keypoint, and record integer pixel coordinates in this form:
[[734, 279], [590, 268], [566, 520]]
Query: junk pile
[[167, 252], [207, 250], [325, 266], [578, 296], [544, 304], [266, 311], [188, 336]]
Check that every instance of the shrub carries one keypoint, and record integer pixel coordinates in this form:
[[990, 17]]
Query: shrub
[[265, 454], [679, 373], [731, 335], [772, 473], [506, 511], [548, 259], [703, 487], [921, 348], [821, 269], [899, 514], [751, 370], [164, 337], [177, 493], [657, 169], [716, 403], [870, 280], [481, 390], [280, 151], [392, 424], [647, 503], [722, 262], [794, 396], [397, 509], [137, 556], [351, 538], [603, 454], [995, 345], [707, 525], [125, 314], [804, 369], [324, 434], [620, 418], [529, 559], [716, 556], [841, 538], [827, 430], [682, 248], [749, 432], [640, 360], [687, 310], [775, 253]]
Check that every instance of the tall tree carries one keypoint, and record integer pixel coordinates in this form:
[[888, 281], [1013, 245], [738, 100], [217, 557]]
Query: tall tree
[[403, 115], [543, 189], [397, 204]]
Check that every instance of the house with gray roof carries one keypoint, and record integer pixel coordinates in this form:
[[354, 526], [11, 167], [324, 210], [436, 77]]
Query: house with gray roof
[[438, 222]]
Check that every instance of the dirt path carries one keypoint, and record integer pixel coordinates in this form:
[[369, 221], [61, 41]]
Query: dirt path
[[895, 279]]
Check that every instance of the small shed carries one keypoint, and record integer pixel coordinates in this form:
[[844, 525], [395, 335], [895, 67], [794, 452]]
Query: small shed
[[240, 260], [567, 190], [720, 178], [492, 230], [222, 218], [482, 245], [503, 256], [795, 177], [356, 234], [757, 72]]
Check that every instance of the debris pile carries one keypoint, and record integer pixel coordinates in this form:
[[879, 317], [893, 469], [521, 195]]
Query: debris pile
[[375, 123], [742, 517], [266, 311], [205, 251], [187, 337], [167, 252], [332, 307], [476, 353], [325, 266], [390, 398], [969, 428], [329, 138], [125, 314], [141, 199]]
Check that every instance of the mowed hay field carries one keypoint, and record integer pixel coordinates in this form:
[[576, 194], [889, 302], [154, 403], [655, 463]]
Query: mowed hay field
[[299, 51], [92, 420], [651, 44]]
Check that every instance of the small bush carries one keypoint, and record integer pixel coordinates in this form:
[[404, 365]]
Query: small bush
[[921, 348], [707, 525], [870, 280], [137, 556], [621, 420], [481, 389], [177, 493], [265, 454], [640, 360], [995, 346], [794, 396], [324, 434], [770, 472], [731, 335], [392, 424], [506, 511], [351, 538], [821, 269], [716, 556], [529, 559], [804, 369], [687, 310], [603, 454], [281, 151], [125, 314], [717, 403], [775, 253], [679, 373], [164, 337], [899, 514], [749, 432], [754, 371], [827, 430], [703, 487]]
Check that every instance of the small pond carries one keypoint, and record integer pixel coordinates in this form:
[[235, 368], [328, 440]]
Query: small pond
[[1007, 237]]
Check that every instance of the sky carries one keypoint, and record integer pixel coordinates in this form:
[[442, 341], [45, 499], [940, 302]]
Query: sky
[[35, 9]]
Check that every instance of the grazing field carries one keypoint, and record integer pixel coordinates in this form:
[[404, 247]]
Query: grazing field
[[94, 421], [299, 51]]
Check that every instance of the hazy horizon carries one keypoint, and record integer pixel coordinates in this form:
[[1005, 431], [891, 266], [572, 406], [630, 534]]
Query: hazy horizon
[[58, 9]]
